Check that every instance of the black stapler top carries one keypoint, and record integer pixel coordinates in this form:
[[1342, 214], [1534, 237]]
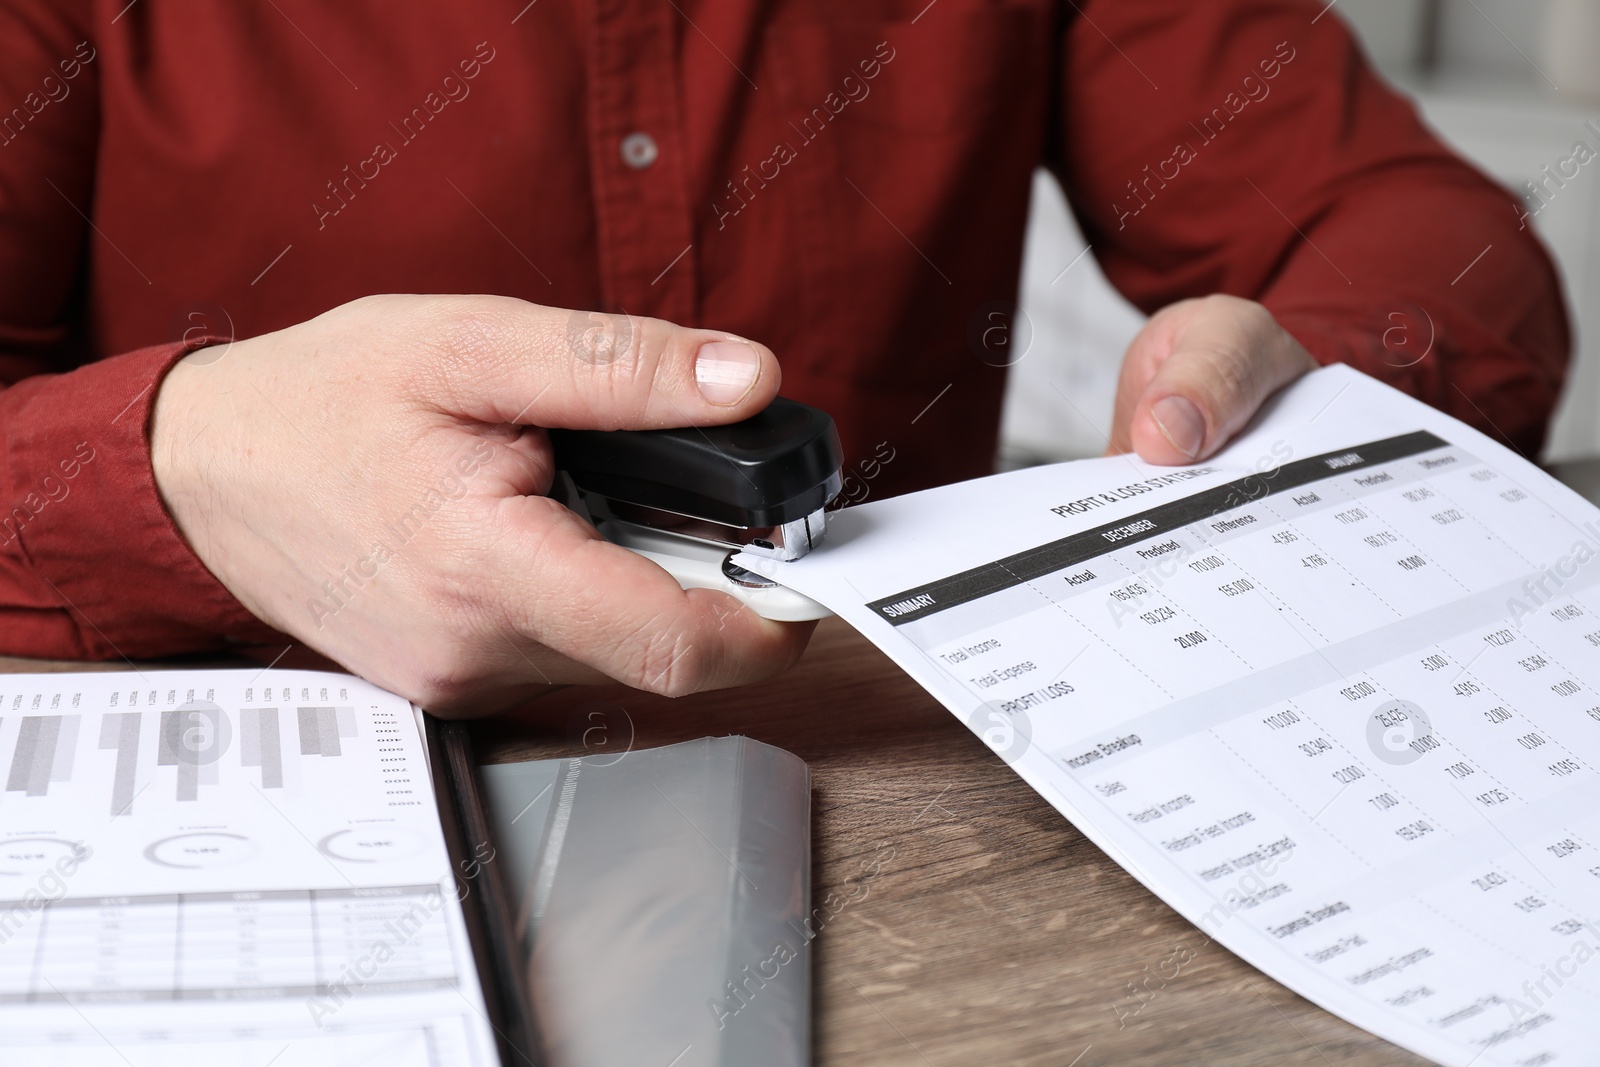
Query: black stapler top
[[759, 485]]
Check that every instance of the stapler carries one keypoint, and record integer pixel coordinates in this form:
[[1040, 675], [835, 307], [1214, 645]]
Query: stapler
[[690, 499]]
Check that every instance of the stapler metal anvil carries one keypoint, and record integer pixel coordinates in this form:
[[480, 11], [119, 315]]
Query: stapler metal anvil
[[690, 499]]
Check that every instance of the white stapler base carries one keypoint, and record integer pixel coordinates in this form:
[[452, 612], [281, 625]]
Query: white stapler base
[[699, 566]]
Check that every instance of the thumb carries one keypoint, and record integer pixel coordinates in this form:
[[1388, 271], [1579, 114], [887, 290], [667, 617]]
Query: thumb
[[1214, 361], [517, 362]]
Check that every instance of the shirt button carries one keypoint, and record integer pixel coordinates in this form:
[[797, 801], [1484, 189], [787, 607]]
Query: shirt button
[[639, 150]]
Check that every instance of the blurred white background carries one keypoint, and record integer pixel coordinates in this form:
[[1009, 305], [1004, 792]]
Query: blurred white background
[[1509, 83]]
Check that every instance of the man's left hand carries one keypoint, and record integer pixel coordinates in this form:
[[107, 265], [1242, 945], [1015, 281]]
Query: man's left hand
[[1196, 374]]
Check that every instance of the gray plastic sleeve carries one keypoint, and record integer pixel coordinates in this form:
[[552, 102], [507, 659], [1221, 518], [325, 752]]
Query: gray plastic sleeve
[[663, 900]]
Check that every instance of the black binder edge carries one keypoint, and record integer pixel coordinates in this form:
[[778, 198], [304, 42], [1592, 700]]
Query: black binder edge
[[485, 904]]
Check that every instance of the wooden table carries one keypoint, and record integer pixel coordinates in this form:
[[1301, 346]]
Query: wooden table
[[993, 932]]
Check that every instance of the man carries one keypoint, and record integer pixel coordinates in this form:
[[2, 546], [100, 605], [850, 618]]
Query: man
[[840, 187]]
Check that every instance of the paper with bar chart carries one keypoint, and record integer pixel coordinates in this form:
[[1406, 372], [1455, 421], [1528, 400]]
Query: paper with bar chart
[[1334, 695], [254, 858]]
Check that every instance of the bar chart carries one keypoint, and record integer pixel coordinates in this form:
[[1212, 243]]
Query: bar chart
[[119, 732], [259, 746], [200, 743], [43, 753], [198, 785], [322, 728]]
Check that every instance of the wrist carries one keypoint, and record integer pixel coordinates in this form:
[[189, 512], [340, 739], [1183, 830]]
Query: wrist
[[173, 431], [200, 454]]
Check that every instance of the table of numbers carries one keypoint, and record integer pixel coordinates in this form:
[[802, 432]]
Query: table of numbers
[[1341, 707]]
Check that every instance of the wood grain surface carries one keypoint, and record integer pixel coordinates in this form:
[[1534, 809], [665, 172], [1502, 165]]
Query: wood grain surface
[[974, 926]]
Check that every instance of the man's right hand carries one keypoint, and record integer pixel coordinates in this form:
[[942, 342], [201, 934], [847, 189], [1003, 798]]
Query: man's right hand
[[372, 482]]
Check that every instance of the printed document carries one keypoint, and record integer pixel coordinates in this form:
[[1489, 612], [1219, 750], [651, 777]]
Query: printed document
[[1334, 695], [225, 867]]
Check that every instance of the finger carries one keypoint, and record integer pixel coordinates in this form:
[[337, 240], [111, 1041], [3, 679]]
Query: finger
[[507, 360], [1153, 343], [619, 613], [1220, 367]]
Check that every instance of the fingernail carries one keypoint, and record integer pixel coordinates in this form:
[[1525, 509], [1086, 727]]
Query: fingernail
[[1180, 423], [725, 371]]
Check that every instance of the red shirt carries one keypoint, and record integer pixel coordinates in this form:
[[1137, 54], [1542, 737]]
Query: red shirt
[[847, 182]]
